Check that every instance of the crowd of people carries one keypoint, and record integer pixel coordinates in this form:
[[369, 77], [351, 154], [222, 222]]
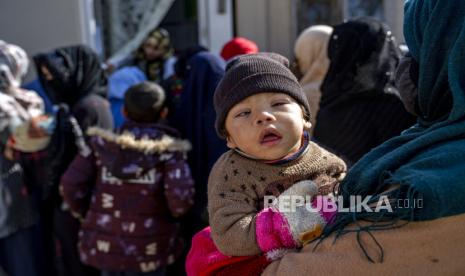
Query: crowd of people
[[160, 165]]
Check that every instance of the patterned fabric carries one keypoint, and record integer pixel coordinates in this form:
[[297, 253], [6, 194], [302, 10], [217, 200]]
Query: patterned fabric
[[125, 22], [129, 190], [154, 68], [16, 105], [13, 65]]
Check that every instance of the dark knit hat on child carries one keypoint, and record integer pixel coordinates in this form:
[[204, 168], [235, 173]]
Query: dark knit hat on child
[[251, 74]]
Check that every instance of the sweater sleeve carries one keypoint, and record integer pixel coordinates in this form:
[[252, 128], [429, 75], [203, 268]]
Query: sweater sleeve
[[77, 183], [179, 186], [232, 216]]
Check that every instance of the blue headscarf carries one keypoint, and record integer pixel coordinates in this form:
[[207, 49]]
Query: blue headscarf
[[427, 161], [118, 83]]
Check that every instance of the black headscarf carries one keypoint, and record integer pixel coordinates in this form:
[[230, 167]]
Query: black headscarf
[[76, 72], [364, 56]]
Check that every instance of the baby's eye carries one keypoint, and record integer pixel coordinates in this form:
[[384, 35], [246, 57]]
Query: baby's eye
[[242, 114], [279, 103]]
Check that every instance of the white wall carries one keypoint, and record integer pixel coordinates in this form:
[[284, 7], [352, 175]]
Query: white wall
[[270, 23], [215, 29], [41, 25], [394, 14]]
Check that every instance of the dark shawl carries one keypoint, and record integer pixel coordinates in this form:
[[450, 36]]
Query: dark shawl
[[196, 120], [76, 71], [427, 162], [360, 108]]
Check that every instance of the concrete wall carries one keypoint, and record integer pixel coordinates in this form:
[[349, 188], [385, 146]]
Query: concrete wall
[[394, 14], [270, 23], [273, 23], [215, 23], [42, 25]]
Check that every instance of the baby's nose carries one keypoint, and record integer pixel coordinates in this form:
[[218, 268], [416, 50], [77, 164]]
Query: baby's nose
[[264, 117]]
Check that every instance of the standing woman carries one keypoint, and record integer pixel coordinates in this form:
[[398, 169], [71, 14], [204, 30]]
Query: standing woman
[[195, 119], [19, 200], [311, 58], [73, 76], [360, 107]]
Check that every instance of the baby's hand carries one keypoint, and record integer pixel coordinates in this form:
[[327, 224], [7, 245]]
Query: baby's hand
[[305, 220], [36, 130]]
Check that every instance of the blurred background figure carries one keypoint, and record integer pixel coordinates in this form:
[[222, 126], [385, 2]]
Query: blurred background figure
[[72, 76], [118, 84], [311, 61], [155, 56], [238, 46], [195, 119], [360, 108], [20, 241], [174, 85]]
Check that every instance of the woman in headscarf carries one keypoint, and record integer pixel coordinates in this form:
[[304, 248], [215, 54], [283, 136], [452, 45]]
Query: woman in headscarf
[[154, 56], [311, 54], [73, 76], [19, 229], [360, 108], [195, 119], [421, 172]]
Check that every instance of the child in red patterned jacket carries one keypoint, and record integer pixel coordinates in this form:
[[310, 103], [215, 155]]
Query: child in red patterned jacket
[[129, 189]]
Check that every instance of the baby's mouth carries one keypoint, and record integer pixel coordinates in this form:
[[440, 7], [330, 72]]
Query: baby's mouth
[[270, 137]]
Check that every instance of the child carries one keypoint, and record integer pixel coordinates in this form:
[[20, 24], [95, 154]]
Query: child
[[263, 114], [130, 188]]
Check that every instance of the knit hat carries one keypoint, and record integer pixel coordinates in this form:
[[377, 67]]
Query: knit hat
[[247, 75], [238, 46]]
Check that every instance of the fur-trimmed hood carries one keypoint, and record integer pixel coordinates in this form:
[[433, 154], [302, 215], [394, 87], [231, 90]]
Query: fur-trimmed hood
[[136, 150], [145, 145]]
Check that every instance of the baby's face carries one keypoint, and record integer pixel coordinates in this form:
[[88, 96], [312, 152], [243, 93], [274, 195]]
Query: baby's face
[[267, 126]]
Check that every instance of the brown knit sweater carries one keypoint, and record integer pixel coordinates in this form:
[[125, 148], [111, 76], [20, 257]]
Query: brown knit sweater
[[237, 186]]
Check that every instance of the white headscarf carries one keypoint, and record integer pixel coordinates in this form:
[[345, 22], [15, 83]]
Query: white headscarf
[[17, 106], [13, 65], [310, 50]]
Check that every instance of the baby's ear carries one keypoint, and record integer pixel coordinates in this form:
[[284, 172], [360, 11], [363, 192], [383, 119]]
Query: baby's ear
[[230, 142], [307, 125]]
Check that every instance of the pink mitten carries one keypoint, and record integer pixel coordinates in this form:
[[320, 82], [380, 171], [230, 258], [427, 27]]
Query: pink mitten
[[290, 221]]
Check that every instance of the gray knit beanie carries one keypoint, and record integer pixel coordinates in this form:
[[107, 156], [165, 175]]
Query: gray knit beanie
[[251, 74]]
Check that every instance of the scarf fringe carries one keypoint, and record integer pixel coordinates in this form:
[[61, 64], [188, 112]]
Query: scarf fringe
[[378, 221]]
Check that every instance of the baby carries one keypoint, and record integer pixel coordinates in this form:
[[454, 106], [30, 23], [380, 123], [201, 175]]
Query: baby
[[23, 125], [264, 116]]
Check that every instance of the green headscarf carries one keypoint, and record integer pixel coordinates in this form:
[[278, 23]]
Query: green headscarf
[[427, 161]]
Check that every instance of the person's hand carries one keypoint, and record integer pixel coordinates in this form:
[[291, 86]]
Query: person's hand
[[8, 151], [35, 130]]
